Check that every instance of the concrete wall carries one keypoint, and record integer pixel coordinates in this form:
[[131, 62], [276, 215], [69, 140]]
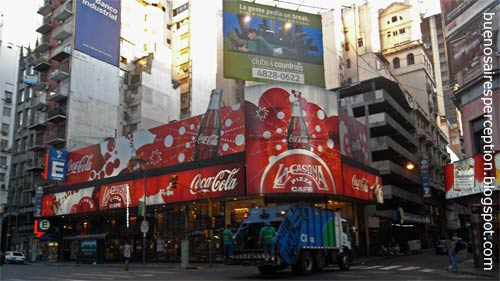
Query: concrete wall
[[332, 49], [94, 102]]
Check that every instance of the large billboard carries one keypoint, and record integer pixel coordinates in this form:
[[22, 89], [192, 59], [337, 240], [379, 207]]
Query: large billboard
[[292, 140], [269, 44], [469, 48], [456, 13], [97, 31]]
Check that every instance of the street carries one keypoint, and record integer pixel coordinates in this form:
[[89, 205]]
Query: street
[[424, 266]]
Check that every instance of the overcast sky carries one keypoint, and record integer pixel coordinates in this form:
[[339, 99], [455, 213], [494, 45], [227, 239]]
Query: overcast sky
[[20, 17]]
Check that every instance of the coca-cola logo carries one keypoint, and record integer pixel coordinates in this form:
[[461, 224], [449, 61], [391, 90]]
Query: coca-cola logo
[[360, 183], [298, 139], [208, 140], [297, 170], [224, 180], [115, 196], [83, 165]]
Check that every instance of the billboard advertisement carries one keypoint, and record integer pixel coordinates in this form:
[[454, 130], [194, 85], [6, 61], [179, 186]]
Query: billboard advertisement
[[467, 177], [362, 184], [290, 139], [97, 29], [166, 145], [353, 132], [467, 48], [213, 182], [456, 13], [270, 44]]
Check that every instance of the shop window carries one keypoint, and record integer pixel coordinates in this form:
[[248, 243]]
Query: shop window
[[395, 63]]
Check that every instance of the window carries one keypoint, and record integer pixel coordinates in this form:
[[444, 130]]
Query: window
[[394, 33], [394, 19], [3, 160], [395, 63], [20, 120], [348, 63], [346, 46], [6, 111], [410, 59], [388, 34], [360, 42], [2, 177], [402, 30], [21, 96], [5, 129]]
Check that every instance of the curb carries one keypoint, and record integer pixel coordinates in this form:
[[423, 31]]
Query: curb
[[463, 272]]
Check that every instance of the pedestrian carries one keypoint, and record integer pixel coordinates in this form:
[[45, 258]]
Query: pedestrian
[[452, 254], [127, 254], [228, 240], [267, 240]]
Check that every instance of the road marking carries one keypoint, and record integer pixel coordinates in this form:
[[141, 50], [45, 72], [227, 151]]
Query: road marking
[[427, 270], [373, 267], [389, 267], [409, 268], [358, 267]]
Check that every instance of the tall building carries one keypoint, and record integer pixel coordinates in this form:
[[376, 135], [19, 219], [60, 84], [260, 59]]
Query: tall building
[[9, 55], [77, 87]]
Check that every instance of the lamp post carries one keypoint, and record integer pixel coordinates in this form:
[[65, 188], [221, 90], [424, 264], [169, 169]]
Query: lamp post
[[144, 224], [173, 184]]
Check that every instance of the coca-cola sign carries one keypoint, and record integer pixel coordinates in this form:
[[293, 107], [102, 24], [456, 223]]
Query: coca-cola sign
[[224, 180], [84, 164], [362, 184]]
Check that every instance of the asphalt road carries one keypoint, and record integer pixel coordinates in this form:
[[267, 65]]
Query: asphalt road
[[425, 266]]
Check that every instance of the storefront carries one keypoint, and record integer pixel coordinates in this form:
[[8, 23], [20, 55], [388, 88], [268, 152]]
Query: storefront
[[196, 180]]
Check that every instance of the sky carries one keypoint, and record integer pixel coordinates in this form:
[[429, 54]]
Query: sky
[[20, 17]]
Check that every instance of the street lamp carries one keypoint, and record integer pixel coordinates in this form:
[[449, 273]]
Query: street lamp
[[173, 184], [142, 165]]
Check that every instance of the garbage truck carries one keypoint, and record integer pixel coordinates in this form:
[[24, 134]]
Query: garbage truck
[[307, 238]]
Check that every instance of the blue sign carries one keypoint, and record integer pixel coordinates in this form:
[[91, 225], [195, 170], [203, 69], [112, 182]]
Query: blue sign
[[38, 201], [426, 182], [97, 31], [58, 164]]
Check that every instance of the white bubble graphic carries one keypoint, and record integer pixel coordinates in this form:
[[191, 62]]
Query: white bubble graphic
[[330, 143], [239, 139], [225, 147], [266, 135], [182, 130], [228, 122], [280, 115], [320, 148], [169, 140], [278, 147], [188, 144], [318, 128], [320, 114], [313, 136], [235, 106], [191, 127], [279, 130], [181, 157]]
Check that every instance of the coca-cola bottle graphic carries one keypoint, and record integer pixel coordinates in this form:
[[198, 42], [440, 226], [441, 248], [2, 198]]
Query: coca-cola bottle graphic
[[208, 138], [298, 135]]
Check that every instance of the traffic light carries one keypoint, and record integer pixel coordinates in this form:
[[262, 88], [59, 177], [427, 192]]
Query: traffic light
[[173, 181], [213, 222]]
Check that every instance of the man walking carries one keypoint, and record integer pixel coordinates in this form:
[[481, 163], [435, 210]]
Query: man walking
[[452, 254], [126, 254], [267, 239]]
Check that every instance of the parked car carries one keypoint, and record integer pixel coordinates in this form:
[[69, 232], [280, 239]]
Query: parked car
[[441, 247], [14, 257]]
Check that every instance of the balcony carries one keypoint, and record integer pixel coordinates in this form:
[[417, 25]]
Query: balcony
[[63, 31], [35, 164], [61, 72], [62, 51], [56, 136], [60, 93], [37, 122], [56, 115], [36, 144], [43, 44], [39, 102], [41, 63], [46, 7], [64, 11], [45, 26]]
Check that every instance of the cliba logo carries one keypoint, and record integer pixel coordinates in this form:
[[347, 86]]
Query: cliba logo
[[84, 165], [297, 170], [224, 180]]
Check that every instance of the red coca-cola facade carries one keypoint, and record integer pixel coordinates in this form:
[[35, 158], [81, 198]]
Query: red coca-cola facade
[[289, 133]]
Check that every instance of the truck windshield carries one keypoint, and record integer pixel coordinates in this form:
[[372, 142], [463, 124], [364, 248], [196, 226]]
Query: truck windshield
[[345, 227]]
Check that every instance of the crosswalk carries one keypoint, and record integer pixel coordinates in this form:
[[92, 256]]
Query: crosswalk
[[394, 267]]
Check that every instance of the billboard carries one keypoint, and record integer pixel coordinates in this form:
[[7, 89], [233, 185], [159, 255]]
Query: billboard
[[467, 47], [269, 44], [362, 184], [456, 13], [166, 145], [97, 29], [214, 182], [469, 176], [290, 139]]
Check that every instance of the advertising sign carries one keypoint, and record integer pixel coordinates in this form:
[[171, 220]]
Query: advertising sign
[[97, 31], [353, 134], [468, 46], [456, 13], [270, 44], [162, 146], [361, 184], [426, 181], [290, 140], [213, 182], [57, 165], [38, 200]]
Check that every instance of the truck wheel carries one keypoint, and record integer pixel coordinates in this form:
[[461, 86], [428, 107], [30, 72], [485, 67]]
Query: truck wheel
[[344, 262], [319, 260], [305, 263], [267, 269]]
